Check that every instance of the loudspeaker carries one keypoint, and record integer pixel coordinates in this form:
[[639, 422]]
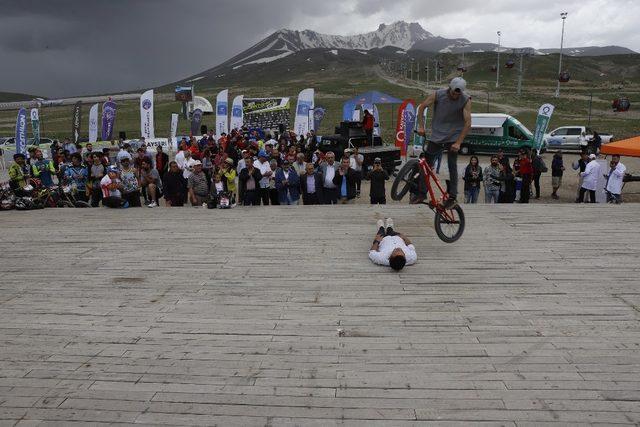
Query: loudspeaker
[[203, 129], [122, 135]]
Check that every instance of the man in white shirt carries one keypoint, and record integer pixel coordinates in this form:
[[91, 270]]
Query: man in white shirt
[[187, 164], [391, 248], [329, 168], [590, 178], [262, 164], [615, 180]]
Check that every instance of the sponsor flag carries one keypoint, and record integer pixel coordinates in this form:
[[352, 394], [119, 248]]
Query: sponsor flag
[[237, 113], [318, 116], [174, 126], [146, 115], [108, 120], [401, 126], [542, 123], [77, 115], [222, 113], [305, 103], [21, 131], [93, 123], [35, 125], [409, 123], [196, 121]]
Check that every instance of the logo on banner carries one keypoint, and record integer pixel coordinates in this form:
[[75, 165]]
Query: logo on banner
[[146, 104], [236, 111], [303, 108], [221, 110]]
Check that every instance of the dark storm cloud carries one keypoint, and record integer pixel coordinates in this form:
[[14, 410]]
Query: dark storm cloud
[[64, 47], [71, 47]]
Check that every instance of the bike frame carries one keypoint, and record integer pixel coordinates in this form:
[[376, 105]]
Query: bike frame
[[434, 203]]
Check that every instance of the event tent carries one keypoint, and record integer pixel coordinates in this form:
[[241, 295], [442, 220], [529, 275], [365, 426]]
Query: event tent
[[627, 147], [368, 98]]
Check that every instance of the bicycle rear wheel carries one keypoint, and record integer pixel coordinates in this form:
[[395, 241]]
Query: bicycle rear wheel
[[449, 224], [407, 179]]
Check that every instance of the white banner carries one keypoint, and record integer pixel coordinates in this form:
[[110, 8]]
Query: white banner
[[222, 112], [146, 115], [93, 123], [237, 113], [174, 126], [305, 103]]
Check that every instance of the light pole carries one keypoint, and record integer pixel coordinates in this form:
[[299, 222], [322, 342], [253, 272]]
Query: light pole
[[498, 65], [563, 15]]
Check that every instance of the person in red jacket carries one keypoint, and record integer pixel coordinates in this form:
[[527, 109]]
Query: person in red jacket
[[367, 124], [526, 173]]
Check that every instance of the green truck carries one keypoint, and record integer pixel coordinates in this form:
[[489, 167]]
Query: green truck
[[489, 133]]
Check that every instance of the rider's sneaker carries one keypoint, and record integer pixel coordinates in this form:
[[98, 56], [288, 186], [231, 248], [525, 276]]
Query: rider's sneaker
[[379, 224], [389, 223], [152, 205], [449, 203]]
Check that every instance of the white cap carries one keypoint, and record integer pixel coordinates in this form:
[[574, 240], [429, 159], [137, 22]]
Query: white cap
[[458, 83], [197, 162], [593, 156]]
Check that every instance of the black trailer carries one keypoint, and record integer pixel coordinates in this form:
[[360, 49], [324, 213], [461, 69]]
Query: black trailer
[[350, 135]]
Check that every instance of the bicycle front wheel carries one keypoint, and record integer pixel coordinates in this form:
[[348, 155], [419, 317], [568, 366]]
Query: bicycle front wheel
[[407, 179], [449, 224]]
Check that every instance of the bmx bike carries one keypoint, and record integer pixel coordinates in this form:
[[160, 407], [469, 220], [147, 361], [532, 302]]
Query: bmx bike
[[448, 222]]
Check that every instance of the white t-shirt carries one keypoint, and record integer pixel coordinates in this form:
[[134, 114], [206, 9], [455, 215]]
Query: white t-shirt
[[104, 183], [388, 245], [353, 164], [263, 168], [187, 167], [180, 159]]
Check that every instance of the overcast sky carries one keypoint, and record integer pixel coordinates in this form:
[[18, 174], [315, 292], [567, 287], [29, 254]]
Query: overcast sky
[[69, 47]]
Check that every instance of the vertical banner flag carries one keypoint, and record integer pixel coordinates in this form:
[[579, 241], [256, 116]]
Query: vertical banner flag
[[77, 115], [93, 123], [146, 115], [196, 121], [108, 120], [305, 103], [318, 115], [542, 123], [35, 125], [21, 132], [401, 126], [222, 112], [173, 130], [409, 124], [237, 113], [376, 122]]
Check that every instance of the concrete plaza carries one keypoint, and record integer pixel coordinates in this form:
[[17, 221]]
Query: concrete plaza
[[189, 316]]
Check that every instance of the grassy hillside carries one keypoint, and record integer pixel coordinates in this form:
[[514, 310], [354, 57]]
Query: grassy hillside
[[339, 77]]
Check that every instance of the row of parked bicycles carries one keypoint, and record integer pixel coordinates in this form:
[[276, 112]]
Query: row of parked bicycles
[[37, 196]]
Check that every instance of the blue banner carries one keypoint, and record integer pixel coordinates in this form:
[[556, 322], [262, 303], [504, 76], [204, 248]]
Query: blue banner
[[318, 115], [108, 120], [21, 132]]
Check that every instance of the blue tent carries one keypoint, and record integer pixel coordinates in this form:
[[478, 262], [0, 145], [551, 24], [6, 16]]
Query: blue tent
[[372, 97]]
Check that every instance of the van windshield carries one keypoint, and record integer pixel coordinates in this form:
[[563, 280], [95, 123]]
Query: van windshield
[[522, 128]]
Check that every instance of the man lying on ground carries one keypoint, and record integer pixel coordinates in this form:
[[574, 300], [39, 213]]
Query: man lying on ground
[[391, 248]]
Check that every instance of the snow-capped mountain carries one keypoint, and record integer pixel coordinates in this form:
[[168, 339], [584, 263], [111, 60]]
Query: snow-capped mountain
[[401, 35], [282, 43]]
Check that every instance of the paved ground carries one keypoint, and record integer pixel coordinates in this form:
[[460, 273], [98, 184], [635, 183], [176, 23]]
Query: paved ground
[[189, 316]]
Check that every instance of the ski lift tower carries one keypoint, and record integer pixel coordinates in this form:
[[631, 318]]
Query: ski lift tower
[[521, 53]]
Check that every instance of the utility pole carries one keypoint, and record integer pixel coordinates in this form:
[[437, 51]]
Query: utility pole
[[520, 74], [418, 70], [590, 105], [563, 15], [498, 65]]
